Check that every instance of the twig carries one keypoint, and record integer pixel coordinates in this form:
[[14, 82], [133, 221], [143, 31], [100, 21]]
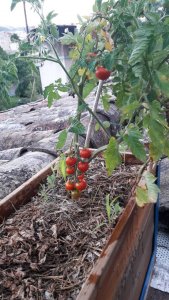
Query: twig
[[90, 127]]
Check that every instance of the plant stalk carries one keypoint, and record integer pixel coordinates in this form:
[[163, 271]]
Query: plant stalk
[[96, 102], [73, 85]]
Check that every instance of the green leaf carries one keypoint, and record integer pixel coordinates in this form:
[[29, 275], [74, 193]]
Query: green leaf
[[156, 133], [155, 151], [14, 3], [61, 139], [106, 124], [112, 156], [97, 126], [132, 139], [108, 208], [60, 86], [99, 4], [117, 209], [141, 44], [76, 126], [147, 190], [129, 109], [162, 80], [141, 196], [153, 189], [88, 88], [109, 59], [68, 39], [105, 101], [159, 56], [51, 94], [62, 166]]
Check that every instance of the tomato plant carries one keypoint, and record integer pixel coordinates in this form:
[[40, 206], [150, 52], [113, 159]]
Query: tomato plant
[[129, 41]]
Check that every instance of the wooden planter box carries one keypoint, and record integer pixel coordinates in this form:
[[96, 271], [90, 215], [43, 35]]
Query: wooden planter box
[[121, 268]]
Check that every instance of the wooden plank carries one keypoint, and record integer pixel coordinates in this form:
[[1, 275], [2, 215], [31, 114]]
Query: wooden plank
[[110, 278]]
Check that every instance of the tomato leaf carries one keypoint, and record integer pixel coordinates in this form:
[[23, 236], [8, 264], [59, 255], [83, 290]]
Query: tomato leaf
[[152, 188], [132, 139], [51, 94], [112, 156], [61, 139], [147, 190], [68, 38], [88, 88], [62, 166], [97, 126], [141, 196], [162, 80], [108, 207], [105, 101], [76, 126], [106, 124]]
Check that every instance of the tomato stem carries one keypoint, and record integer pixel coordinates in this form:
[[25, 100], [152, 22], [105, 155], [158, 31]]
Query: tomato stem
[[96, 102]]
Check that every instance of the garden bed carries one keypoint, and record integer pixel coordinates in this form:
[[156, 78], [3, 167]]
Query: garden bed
[[49, 246]]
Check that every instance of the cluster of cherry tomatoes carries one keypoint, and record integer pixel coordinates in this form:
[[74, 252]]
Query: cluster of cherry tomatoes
[[77, 167]]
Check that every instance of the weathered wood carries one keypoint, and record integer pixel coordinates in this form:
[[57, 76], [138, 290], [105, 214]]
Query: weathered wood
[[119, 273]]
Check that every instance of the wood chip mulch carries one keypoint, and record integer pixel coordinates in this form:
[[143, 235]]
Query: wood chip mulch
[[49, 246]]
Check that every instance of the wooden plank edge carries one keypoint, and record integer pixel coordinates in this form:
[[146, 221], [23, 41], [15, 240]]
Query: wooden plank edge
[[24, 192]]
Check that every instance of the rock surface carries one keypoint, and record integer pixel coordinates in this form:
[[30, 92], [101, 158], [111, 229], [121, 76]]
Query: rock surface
[[29, 134]]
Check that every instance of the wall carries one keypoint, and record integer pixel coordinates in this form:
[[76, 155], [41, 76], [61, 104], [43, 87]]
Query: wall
[[50, 71]]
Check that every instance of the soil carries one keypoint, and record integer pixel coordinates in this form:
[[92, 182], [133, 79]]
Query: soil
[[49, 246]]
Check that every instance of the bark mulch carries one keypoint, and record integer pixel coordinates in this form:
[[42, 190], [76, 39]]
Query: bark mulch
[[49, 246]]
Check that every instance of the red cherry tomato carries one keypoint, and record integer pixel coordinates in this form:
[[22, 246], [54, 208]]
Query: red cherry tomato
[[83, 166], [80, 186], [71, 161], [80, 177], [85, 153], [102, 73], [69, 185], [70, 170]]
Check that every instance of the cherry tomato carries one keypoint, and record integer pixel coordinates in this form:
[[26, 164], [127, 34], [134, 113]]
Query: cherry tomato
[[80, 177], [83, 166], [75, 194], [71, 161], [85, 152], [80, 186], [102, 73], [91, 54], [69, 185], [70, 170]]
